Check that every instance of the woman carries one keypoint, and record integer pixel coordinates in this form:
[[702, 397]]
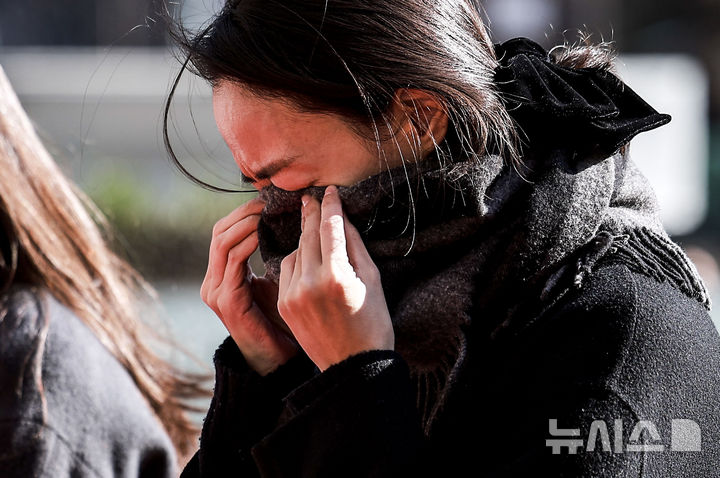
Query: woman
[[465, 272], [81, 393]]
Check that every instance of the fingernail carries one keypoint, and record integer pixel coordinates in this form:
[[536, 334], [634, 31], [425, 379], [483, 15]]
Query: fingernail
[[305, 200], [302, 213], [330, 189]]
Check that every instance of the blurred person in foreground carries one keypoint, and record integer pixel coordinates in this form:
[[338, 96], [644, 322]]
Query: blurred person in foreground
[[81, 392], [466, 274]]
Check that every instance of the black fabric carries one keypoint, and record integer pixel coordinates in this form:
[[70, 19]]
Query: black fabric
[[437, 232], [389, 422], [238, 389], [559, 297], [8, 257], [586, 111], [625, 347]]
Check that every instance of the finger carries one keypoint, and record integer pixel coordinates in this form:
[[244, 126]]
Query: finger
[[297, 266], [265, 292], [235, 271], [309, 253], [356, 250], [332, 234], [302, 216], [252, 207], [287, 270], [221, 245]]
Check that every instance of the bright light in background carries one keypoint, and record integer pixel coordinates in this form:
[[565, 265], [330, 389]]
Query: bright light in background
[[102, 111], [674, 157], [195, 13], [528, 18]]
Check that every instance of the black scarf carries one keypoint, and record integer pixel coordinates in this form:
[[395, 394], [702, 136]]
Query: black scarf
[[475, 235]]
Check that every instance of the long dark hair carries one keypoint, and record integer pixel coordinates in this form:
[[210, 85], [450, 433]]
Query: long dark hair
[[349, 58]]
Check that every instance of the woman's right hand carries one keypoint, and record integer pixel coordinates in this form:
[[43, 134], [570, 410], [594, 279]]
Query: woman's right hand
[[246, 304]]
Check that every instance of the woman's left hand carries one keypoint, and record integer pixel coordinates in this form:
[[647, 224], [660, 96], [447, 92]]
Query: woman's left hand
[[330, 293]]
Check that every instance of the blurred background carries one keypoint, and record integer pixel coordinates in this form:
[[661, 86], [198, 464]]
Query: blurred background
[[93, 75]]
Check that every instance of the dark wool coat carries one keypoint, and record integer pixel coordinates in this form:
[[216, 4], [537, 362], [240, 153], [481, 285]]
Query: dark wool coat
[[629, 355], [68, 408], [606, 362]]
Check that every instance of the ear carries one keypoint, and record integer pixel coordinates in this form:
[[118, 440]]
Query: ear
[[419, 118]]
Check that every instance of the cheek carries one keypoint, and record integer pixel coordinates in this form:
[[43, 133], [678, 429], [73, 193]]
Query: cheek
[[350, 161]]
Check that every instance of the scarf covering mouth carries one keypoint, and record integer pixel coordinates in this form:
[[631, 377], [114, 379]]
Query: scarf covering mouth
[[475, 236]]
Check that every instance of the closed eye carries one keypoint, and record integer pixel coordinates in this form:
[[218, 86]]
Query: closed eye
[[246, 179], [269, 171]]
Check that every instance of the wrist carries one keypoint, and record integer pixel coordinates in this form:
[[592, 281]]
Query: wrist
[[265, 365], [328, 362]]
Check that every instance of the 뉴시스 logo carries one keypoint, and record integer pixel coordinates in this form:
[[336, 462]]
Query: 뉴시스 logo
[[684, 436]]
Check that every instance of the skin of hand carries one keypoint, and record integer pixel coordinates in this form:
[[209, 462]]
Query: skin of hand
[[330, 294], [246, 304]]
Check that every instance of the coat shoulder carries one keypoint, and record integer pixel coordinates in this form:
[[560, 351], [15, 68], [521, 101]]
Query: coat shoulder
[[618, 324]]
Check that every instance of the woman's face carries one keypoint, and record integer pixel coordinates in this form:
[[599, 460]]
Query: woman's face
[[273, 143]]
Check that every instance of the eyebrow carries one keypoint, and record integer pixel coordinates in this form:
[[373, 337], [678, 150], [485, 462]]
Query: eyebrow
[[268, 171]]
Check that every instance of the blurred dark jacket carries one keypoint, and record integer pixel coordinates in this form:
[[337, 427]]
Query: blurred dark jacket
[[67, 406]]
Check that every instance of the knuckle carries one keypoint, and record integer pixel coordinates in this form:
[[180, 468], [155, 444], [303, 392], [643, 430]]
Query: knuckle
[[298, 296], [331, 283], [307, 285], [217, 243], [312, 205], [374, 278], [224, 302], [283, 308], [236, 254], [373, 272], [291, 302], [211, 300], [339, 267], [332, 223], [288, 261]]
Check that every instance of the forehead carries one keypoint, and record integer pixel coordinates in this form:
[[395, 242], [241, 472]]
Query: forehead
[[263, 134], [248, 122], [243, 117], [268, 134], [234, 105]]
